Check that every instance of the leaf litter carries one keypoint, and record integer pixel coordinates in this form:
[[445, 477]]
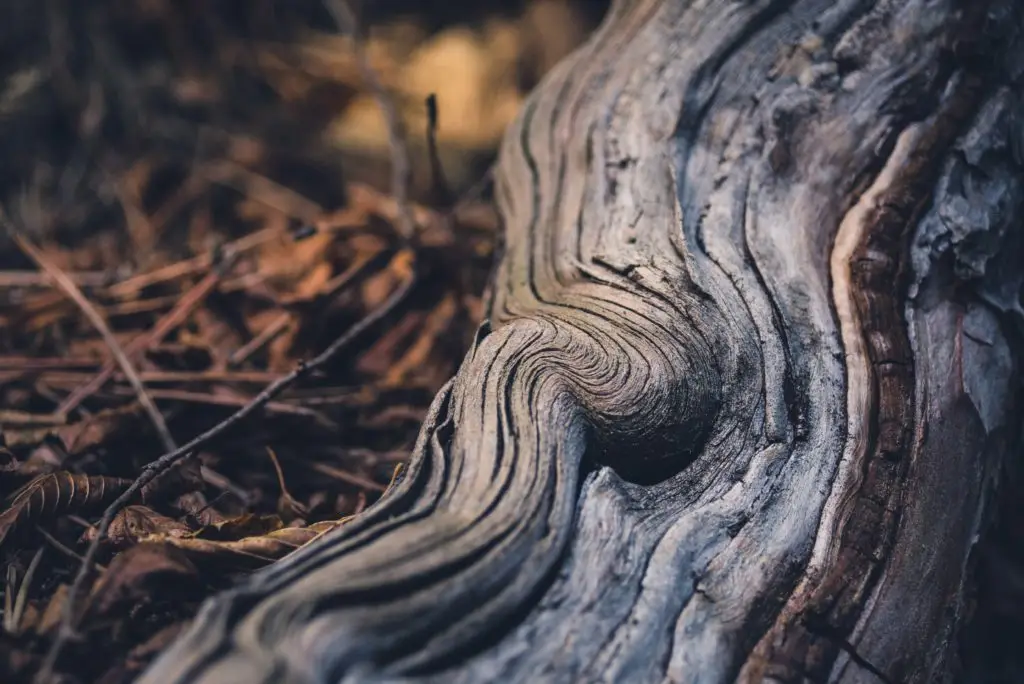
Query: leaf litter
[[211, 208]]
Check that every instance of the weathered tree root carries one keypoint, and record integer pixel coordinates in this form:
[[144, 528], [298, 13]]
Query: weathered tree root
[[747, 380]]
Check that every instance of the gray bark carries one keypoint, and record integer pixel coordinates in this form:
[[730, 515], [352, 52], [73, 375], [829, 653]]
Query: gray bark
[[749, 375]]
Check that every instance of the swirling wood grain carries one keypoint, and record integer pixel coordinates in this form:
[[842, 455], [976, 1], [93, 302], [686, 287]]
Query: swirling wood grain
[[733, 413]]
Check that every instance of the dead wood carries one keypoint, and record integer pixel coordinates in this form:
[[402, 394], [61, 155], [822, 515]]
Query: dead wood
[[749, 376]]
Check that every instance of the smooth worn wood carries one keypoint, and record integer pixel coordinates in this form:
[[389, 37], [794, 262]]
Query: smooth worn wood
[[749, 374]]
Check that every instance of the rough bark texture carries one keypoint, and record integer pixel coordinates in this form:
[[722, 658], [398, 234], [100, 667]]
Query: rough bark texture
[[749, 377]]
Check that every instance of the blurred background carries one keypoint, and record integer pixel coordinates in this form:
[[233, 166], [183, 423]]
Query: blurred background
[[90, 90]]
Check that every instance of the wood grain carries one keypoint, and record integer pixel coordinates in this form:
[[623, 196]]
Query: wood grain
[[745, 386]]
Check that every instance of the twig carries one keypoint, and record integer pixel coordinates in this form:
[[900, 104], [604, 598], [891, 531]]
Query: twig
[[439, 184], [69, 379], [222, 400], [20, 419], [342, 221], [223, 483], [138, 306], [75, 294], [192, 265], [401, 164], [474, 192], [297, 507], [79, 520], [36, 279], [276, 327], [27, 363], [155, 468], [264, 190], [168, 322], [345, 476]]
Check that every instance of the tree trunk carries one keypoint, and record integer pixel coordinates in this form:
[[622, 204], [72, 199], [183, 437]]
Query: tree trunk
[[748, 379]]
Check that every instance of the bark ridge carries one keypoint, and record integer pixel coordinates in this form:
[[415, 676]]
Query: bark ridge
[[745, 384]]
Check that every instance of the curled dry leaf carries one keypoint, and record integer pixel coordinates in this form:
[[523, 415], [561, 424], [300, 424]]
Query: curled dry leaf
[[134, 523], [248, 553], [55, 494]]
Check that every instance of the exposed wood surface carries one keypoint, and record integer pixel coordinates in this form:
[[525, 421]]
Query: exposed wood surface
[[748, 380]]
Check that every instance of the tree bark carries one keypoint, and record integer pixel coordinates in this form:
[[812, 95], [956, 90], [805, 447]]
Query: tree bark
[[749, 375]]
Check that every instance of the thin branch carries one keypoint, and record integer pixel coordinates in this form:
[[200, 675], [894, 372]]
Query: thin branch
[[264, 190], [265, 336], [11, 279], [74, 293], [345, 476], [226, 400], [168, 322]]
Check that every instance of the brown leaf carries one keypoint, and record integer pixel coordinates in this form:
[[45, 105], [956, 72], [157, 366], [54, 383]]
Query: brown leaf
[[144, 573], [136, 522], [247, 525], [197, 508], [95, 430], [248, 553], [49, 496]]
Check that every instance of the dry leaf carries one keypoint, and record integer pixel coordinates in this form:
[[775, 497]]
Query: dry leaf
[[95, 430], [247, 525], [195, 506], [144, 573], [248, 553], [136, 522], [49, 496]]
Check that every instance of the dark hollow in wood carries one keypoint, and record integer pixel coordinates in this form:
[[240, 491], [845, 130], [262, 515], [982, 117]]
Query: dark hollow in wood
[[747, 381]]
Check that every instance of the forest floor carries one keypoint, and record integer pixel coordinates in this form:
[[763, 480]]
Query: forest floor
[[196, 203]]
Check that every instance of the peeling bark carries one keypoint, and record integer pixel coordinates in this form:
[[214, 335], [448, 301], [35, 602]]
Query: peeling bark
[[749, 374]]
